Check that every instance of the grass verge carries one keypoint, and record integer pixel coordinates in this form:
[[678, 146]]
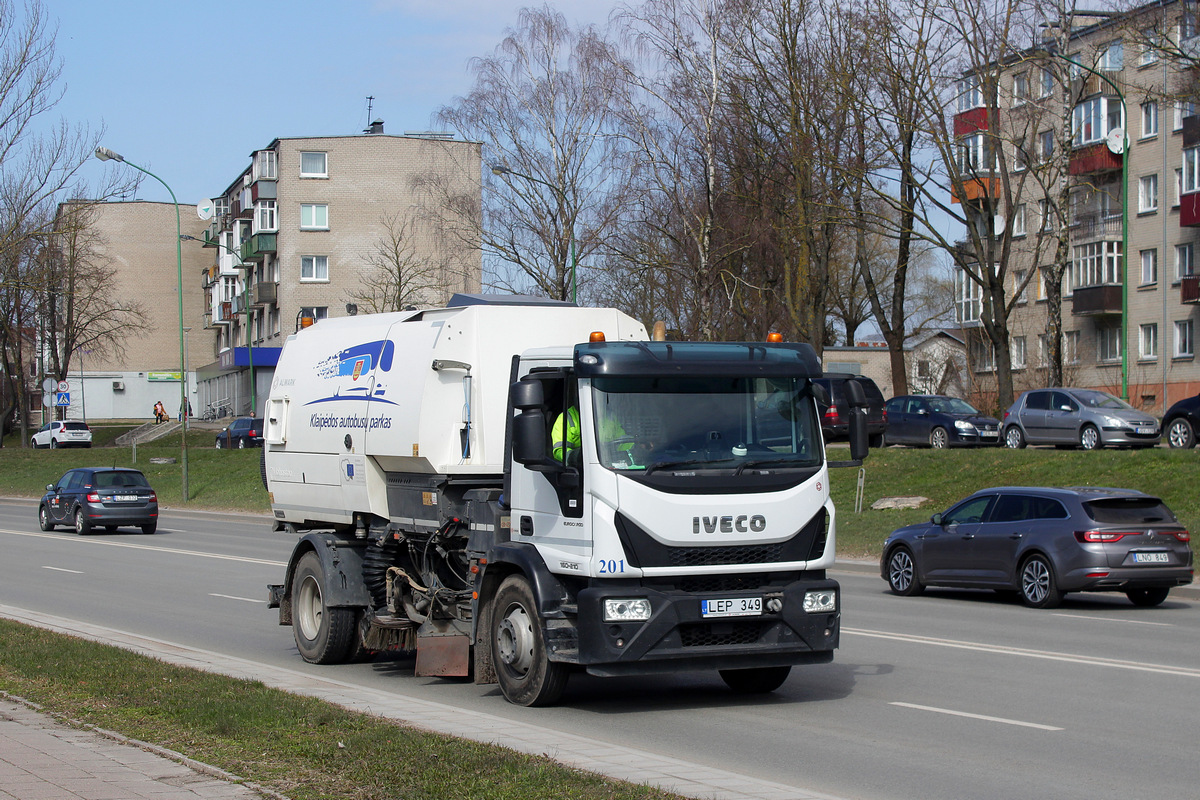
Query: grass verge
[[301, 747]]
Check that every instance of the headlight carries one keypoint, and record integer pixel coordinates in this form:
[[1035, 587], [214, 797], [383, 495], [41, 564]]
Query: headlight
[[626, 609], [1115, 422], [820, 601], [964, 426]]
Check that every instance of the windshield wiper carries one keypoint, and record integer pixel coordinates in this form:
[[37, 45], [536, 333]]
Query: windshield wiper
[[657, 465], [762, 462]]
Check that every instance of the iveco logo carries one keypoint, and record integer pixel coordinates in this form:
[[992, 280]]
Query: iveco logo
[[729, 524]]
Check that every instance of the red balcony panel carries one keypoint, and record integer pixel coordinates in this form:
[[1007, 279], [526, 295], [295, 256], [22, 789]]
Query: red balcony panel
[[977, 189], [971, 121], [1094, 158], [1189, 289], [1189, 210]]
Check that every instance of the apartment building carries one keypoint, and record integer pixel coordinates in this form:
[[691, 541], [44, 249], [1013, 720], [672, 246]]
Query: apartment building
[[1097, 134], [319, 227]]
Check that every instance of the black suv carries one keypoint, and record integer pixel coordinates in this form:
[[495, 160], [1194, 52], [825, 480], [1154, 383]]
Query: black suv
[[243, 432], [835, 419]]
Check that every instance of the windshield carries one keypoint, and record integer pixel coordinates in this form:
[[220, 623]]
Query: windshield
[[1096, 399], [649, 423], [951, 405]]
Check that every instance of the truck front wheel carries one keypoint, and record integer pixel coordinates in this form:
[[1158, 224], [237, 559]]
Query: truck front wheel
[[323, 635], [526, 676], [758, 680]]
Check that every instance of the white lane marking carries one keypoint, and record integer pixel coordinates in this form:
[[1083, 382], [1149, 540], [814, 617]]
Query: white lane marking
[[60, 569], [130, 545], [1095, 661], [1111, 619], [983, 717], [235, 597]]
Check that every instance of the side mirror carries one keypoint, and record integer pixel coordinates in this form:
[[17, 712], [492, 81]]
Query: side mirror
[[819, 394], [857, 399], [529, 436], [49, 487], [527, 394], [936, 519]]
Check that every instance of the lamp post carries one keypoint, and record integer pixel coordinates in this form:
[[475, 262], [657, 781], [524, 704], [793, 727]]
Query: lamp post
[[104, 154], [500, 169], [246, 299], [1124, 215]]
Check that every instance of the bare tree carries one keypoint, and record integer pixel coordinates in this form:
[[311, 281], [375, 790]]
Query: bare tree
[[395, 276]]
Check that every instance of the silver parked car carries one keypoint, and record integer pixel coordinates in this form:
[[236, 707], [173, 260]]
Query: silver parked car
[[1043, 543], [1087, 418]]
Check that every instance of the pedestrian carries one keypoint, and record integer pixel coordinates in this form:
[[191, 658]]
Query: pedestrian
[[160, 413]]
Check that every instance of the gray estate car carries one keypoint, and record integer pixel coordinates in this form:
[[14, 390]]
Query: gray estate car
[[1043, 543], [1087, 418]]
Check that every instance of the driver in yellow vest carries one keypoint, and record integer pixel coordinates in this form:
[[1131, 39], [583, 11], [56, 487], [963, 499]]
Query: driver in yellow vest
[[566, 437]]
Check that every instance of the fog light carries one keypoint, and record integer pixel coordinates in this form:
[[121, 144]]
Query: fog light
[[626, 609], [820, 601]]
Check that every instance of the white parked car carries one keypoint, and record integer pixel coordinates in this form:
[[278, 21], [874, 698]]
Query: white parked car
[[62, 433]]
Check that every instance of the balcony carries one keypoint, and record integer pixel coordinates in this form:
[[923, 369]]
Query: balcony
[[264, 293], [222, 313], [977, 189], [976, 119], [1189, 289], [1189, 210], [257, 246], [1096, 226], [264, 190], [1092, 159], [1089, 301]]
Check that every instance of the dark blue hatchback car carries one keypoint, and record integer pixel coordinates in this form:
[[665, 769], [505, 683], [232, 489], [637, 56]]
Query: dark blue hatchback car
[[937, 421], [95, 497]]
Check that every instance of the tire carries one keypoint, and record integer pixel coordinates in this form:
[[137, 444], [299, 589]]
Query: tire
[[150, 528], [241, 444], [902, 573], [1180, 434], [1089, 438], [44, 521], [219, 445], [758, 680], [1039, 587], [323, 635], [82, 526], [939, 439], [1147, 598], [54, 444], [526, 676], [33, 444], [1014, 439]]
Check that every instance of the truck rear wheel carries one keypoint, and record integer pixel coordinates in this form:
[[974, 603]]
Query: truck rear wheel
[[526, 676], [758, 680], [323, 635]]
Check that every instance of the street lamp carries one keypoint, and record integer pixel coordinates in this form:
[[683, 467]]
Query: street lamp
[[104, 154], [500, 169], [246, 299], [1124, 215]]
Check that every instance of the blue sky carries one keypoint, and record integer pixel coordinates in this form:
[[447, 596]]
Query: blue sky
[[188, 89]]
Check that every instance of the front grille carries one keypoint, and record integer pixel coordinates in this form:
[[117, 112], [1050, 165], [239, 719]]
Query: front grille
[[720, 634], [711, 556], [707, 584]]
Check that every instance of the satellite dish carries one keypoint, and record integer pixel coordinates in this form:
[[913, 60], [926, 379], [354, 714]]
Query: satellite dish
[[1116, 141], [998, 224], [205, 209]]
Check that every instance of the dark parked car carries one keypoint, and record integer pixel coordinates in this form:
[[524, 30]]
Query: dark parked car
[[938, 421], [62, 433], [243, 432], [1087, 418], [108, 497], [1181, 422], [835, 418], [1044, 543]]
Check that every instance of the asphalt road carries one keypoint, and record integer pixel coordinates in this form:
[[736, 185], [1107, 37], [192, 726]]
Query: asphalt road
[[951, 695]]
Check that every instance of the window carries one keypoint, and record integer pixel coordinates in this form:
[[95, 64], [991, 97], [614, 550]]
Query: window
[[1149, 267], [1148, 341], [973, 153], [1017, 351], [316, 313], [265, 165], [1184, 265], [1071, 347], [1020, 291], [1187, 24], [1092, 119], [1047, 82], [1020, 157], [314, 268], [1112, 59], [1191, 170], [314, 216], [1020, 89], [1178, 187], [983, 354], [312, 165], [1147, 194], [1182, 109], [969, 94], [1018, 221], [1152, 41], [1041, 284], [1184, 344], [1109, 343], [1096, 264], [265, 216], [1045, 146], [1149, 119], [968, 298], [1045, 215]]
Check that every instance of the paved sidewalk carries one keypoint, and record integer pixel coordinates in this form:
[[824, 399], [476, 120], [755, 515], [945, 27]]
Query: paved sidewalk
[[43, 759]]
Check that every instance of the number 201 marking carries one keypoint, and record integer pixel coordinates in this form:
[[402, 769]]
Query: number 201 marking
[[610, 566]]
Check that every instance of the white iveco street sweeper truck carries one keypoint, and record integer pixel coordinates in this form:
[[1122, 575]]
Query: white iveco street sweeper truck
[[516, 490]]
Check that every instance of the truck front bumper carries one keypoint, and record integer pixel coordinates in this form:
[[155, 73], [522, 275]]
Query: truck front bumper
[[678, 637]]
